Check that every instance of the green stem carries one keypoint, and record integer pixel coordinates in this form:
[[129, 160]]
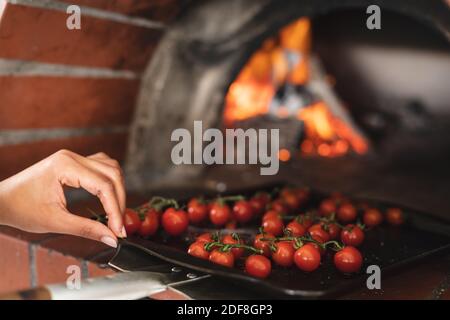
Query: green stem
[[227, 247]]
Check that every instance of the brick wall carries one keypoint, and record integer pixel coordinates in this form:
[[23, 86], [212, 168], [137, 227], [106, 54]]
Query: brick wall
[[73, 89], [68, 89]]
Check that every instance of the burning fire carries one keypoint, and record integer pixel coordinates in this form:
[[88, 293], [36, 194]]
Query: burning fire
[[284, 60]]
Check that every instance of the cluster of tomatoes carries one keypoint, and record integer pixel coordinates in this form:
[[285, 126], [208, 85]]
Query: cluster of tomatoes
[[288, 236]]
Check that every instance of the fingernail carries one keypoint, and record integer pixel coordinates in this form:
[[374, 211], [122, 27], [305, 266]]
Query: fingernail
[[109, 241], [123, 233]]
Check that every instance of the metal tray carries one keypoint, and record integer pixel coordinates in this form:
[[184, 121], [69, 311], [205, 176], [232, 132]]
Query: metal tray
[[388, 247]]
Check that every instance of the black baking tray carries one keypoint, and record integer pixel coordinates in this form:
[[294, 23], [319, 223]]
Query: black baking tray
[[389, 247]]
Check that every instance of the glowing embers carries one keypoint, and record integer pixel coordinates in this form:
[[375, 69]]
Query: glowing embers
[[327, 135], [280, 82]]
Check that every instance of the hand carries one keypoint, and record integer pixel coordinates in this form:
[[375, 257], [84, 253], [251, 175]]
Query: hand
[[33, 200]]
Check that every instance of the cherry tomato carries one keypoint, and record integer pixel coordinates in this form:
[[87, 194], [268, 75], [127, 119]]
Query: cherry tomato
[[317, 230], [205, 237], [332, 228], [197, 249], [232, 224], [327, 207], [348, 260], [263, 245], [271, 214], [243, 211], [284, 254], [174, 221], [372, 217], [279, 206], [257, 205], [220, 213], [225, 259], [237, 252], [131, 221], [259, 202], [302, 195], [296, 229], [347, 213], [273, 226], [352, 235], [307, 257], [150, 224], [290, 198], [286, 191], [258, 266], [305, 220], [315, 245], [197, 210], [394, 216]]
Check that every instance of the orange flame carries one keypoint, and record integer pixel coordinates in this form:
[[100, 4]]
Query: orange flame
[[268, 68]]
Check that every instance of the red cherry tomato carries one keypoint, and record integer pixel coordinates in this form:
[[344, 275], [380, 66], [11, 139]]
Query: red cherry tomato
[[131, 221], [271, 214], [258, 266], [150, 224], [263, 245], [225, 259], [243, 211], [219, 214], [197, 249], [174, 221], [290, 198], [348, 260], [273, 226], [205, 237], [296, 229], [279, 206], [237, 252], [394, 216], [352, 235], [327, 207], [197, 210], [284, 254], [347, 213], [317, 230], [307, 258], [232, 224], [302, 195], [305, 220], [259, 202], [332, 228], [372, 217]]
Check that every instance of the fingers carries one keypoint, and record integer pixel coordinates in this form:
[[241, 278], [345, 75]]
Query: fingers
[[111, 168], [76, 174], [68, 223]]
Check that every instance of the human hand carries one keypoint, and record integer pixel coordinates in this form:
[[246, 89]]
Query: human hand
[[33, 200]]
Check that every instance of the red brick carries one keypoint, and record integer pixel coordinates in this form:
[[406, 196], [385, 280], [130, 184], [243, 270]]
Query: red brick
[[40, 102], [159, 10], [51, 266], [95, 270], [14, 158], [14, 264], [30, 33]]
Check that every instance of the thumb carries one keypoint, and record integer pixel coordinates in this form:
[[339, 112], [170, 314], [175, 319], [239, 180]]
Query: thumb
[[72, 224]]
